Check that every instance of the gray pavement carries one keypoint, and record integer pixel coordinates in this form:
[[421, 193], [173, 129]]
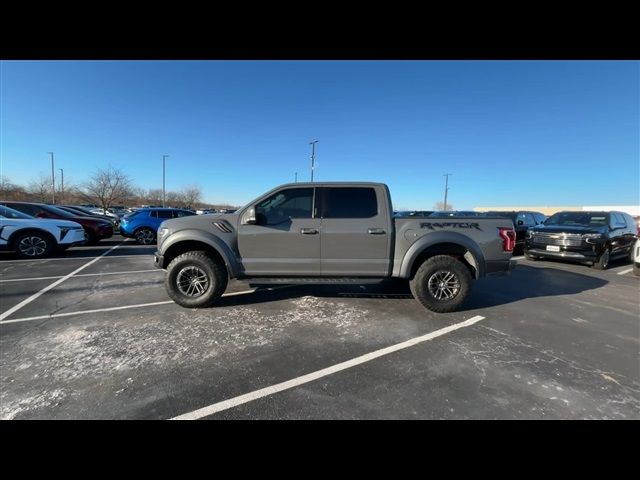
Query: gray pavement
[[557, 341]]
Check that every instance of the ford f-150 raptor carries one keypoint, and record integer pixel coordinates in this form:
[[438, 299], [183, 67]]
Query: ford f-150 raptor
[[331, 233]]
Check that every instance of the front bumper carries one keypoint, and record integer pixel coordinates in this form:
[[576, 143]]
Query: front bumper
[[105, 231], [158, 260], [577, 256], [73, 238]]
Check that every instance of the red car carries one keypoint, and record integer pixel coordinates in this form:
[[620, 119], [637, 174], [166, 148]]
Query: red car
[[95, 229]]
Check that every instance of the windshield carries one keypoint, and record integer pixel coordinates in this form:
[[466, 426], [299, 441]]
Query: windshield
[[584, 219], [59, 211], [6, 212]]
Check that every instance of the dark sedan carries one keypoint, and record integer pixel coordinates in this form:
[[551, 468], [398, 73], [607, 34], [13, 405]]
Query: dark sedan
[[95, 229], [586, 237]]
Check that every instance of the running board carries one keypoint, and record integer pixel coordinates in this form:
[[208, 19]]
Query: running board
[[311, 281]]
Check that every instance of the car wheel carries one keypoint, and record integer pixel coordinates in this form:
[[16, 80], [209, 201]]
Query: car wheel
[[145, 236], [603, 260], [90, 237], [33, 245], [196, 280], [528, 256], [441, 284]]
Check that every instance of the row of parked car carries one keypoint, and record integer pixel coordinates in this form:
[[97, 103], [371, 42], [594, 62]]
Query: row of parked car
[[36, 230], [594, 238]]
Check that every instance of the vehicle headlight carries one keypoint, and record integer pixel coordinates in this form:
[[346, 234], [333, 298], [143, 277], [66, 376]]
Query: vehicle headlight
[[592, 237]]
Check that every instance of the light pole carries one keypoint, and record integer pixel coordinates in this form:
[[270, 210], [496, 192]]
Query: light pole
[[446, 189], [296, 177], [53, 180], [313, 156], [61, 185], [163, 171]]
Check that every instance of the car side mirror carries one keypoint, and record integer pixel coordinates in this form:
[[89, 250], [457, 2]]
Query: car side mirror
[[520, 222], [249, 217]]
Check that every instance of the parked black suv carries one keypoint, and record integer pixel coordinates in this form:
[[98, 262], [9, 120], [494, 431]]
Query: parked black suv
[[522, 220], [586, 237]]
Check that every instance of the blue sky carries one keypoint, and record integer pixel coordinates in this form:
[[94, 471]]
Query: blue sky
[[510, 132]]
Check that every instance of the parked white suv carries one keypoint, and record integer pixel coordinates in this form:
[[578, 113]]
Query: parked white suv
[[636, 258], [33, 237]]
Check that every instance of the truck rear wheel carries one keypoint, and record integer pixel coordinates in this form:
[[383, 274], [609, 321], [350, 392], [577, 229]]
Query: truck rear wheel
[[441, 284], [195, 279]]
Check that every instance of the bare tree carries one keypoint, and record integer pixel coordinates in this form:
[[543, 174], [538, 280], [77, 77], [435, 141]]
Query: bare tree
[[175, 199], [153, 196], [40, 188], [191, 196], [439, 206], [108, 187]]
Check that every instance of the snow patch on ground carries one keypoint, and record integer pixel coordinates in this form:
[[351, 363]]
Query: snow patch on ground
[[107, 347]]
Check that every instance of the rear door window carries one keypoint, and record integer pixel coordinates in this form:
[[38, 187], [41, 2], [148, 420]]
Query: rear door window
[[163, 214], [182, 213], [348, 202]]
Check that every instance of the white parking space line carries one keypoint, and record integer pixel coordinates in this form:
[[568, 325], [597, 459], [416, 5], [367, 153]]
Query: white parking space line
[[310, 377], [623, 272], [33, 297], [2, 262], [111, 309], [80, 275]]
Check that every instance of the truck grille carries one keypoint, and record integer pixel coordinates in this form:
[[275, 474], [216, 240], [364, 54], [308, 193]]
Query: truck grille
[[562, 239]]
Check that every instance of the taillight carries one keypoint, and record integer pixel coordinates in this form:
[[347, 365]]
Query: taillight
[[508, 236]]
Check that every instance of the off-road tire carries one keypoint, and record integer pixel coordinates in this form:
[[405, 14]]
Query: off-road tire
[[602, 263], [433, 266], [214, 269]]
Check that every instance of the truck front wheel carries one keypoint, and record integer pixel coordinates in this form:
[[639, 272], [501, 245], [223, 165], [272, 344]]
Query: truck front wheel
[[441, 284], [195, 279]]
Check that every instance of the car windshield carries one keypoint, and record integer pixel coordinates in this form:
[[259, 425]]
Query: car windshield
[[80, 210], [586, 219], [59, 211], [6, 212]]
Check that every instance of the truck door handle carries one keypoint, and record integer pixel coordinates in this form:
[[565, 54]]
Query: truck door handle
[[309, 231], [376, 231]]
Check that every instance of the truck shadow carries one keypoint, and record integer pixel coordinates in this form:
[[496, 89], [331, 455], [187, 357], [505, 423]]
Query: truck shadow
[[524, 282]]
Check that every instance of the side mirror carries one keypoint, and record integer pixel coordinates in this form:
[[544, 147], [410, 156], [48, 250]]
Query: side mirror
[[249, 217], [520, 222]]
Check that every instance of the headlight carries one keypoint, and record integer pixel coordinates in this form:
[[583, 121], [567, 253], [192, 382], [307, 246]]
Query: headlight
[[64, 230], [592, 237]]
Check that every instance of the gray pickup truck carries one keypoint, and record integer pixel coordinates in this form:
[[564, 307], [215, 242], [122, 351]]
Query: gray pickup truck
[[331, 233]]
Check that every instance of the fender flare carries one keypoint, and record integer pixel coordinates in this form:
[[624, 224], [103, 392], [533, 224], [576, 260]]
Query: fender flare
[[435, 238], [195, 235]]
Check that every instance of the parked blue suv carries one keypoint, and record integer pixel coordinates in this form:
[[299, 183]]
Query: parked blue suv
[[143, 224]]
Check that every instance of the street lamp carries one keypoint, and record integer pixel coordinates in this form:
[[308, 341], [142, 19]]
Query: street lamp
[[313, 156], [53, 181], [163, 175], [61, 184], [446, 189]]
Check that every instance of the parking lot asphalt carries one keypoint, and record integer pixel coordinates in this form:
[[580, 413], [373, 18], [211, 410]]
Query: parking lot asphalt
[[551, 341]]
